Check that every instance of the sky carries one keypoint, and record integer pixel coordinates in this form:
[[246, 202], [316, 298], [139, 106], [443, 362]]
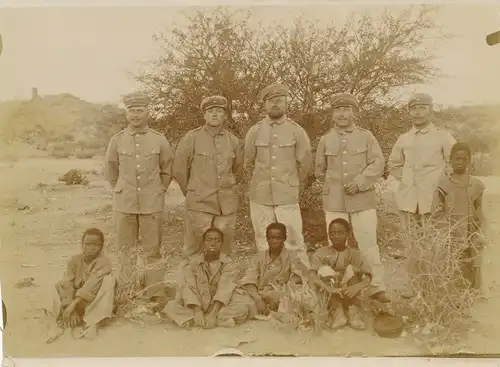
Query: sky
[[89, 52]]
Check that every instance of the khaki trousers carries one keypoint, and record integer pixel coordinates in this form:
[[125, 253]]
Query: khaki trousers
[[143, 262], [364, 227], [196, 223], [289, 215]]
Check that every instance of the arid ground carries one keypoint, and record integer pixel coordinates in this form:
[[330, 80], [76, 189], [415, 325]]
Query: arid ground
[[41, 224]]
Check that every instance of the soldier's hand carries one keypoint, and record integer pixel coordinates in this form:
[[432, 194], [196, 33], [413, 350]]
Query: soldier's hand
[[351, 188]]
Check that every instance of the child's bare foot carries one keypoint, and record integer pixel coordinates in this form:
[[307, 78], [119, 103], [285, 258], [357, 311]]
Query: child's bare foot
[[54, 333]]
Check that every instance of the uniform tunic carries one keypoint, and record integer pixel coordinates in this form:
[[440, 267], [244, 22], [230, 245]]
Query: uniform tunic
[[208, 167], [139, 168], [418, 160]]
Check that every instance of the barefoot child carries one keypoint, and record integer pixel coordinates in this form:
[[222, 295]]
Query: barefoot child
[[459, 203], [84, 297], [344, 294]]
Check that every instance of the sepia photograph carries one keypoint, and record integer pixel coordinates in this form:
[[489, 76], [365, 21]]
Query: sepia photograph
[[313, 180]]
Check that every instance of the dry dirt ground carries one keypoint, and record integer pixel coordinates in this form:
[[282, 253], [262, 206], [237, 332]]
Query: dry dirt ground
[[41, 224]]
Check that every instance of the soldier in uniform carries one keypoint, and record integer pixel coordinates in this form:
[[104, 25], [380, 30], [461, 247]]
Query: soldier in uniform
[[208, 165], [418, 160], [139, 168], [349, 161], [278, 151]]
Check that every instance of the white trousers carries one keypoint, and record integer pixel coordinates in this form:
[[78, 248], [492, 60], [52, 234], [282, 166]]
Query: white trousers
[[364, 226], [289, 215]]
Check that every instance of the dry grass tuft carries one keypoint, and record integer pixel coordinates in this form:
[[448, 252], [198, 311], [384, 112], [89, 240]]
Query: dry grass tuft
[[444, 301], [304, 309], [74, 177]]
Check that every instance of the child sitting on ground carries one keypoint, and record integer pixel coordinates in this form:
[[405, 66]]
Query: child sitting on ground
[[344, 291], [85, 295], [458, 208]]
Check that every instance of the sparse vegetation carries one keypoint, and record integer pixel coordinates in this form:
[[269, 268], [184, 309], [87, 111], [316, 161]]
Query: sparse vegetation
[[443, 303], [74, 177]]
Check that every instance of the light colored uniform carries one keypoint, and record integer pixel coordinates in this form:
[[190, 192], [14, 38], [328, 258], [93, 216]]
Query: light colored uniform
[[353, 155], [418, 160], [203, 284], [207, 168], [280, 153], [139, 168], [93, 283]]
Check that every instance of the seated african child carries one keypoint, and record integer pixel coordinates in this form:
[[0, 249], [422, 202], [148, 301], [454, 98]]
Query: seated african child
[[340, 273], [458, 209], [85, 295], [268, 270], [206, 297]]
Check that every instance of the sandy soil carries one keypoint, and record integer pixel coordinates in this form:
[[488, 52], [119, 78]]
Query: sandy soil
[[42, 220]]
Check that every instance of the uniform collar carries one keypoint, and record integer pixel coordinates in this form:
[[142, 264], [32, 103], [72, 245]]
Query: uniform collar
[[209, 132], [350, 129], [425, 130], [279, 121], [134, 132]]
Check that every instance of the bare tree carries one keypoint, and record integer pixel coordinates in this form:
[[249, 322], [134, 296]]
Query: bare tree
[[220, 52]]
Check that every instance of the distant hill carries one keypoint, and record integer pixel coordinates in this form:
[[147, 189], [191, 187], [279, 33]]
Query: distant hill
[[58, 118]]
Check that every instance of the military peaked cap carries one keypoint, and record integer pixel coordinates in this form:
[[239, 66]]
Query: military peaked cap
[[213, 101], [274, 90], [344, 100], [136, 99], [420, 99]]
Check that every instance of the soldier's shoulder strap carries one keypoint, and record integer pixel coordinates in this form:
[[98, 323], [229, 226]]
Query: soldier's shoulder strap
[[156, 132], [121, 132], [232, 135], [195, 129]]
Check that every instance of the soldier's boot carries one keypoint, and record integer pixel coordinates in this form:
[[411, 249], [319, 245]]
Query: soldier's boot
[[339, 319], [355, 318]]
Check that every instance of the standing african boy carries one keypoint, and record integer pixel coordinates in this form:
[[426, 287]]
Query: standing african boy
[[208, 165], [418, 160], [460, 196], [278, 151], [139, 168], [349, 162]]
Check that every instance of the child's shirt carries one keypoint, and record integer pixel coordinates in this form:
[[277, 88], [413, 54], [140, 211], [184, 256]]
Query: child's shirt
[[340, 260], [83, 280], [457, 206]]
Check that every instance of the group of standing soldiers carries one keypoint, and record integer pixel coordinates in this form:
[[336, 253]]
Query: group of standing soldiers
[[208, 166]]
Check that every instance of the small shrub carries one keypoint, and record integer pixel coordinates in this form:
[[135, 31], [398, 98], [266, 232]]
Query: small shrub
[[60, 153], [443, 301], [74, 177], [304, 309]]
